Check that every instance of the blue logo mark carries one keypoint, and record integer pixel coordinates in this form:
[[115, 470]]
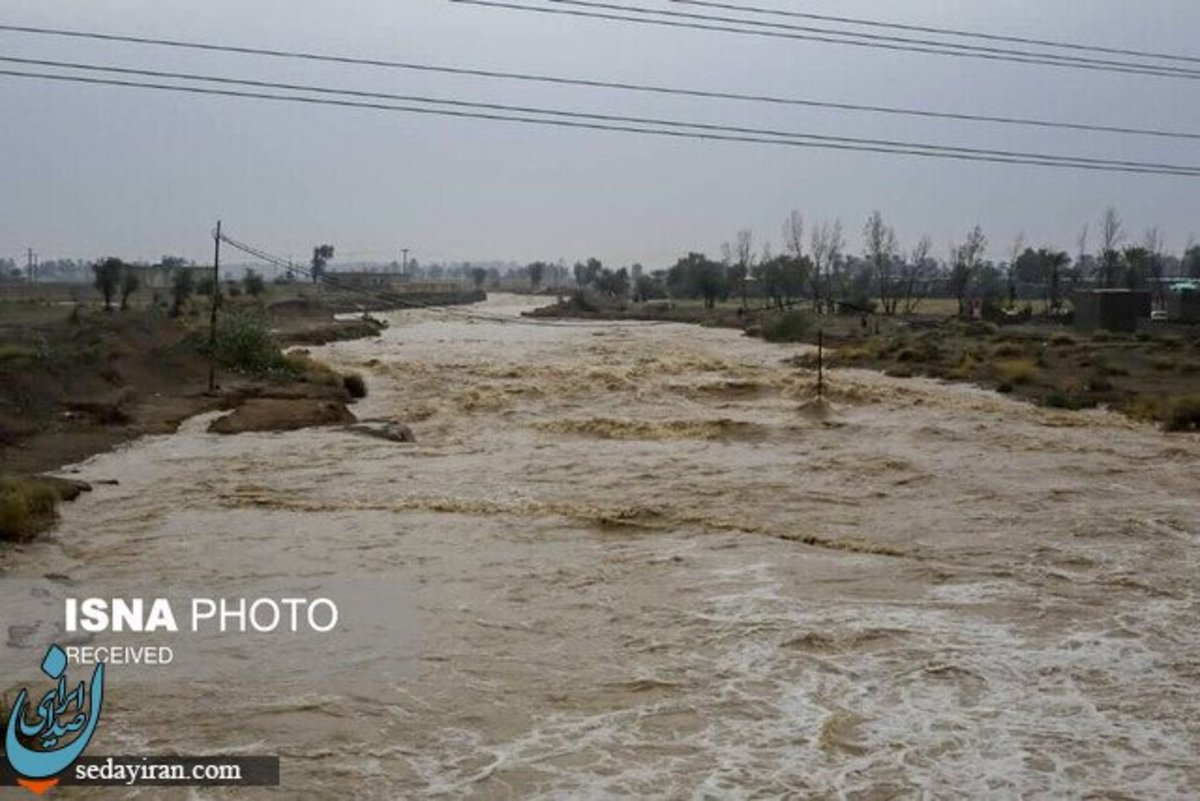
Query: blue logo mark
[[58, 715]]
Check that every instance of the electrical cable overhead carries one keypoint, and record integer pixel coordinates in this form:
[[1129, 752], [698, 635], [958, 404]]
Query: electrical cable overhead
[[898, 26], [647, 88], [681, 20], [640, 125]]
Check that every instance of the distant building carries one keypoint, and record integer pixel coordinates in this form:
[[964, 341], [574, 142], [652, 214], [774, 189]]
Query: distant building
[[1183, 304], [1111, 309]]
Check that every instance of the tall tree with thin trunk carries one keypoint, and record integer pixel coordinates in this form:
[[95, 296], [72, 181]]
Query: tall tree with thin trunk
[[1112, 232], [744, 256], [1154, 245], [837, 244], [820, 262], [1014, 255], [915, 273], [965, 260], [879, 244], [1081, 244]]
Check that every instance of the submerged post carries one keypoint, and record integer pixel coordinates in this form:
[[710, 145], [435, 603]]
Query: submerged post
[[821, 364], [212, 320]]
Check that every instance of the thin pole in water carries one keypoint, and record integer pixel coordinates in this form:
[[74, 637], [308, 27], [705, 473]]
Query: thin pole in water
[[212, 321], [821, 364]]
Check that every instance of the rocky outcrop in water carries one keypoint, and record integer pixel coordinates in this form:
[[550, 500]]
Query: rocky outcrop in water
[[272, 414]]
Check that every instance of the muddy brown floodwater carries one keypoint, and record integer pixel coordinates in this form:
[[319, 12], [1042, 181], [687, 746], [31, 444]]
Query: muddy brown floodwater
[[648, 565]]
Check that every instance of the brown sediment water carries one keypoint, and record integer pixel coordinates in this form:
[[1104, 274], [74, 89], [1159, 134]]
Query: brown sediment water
[[650, 564]]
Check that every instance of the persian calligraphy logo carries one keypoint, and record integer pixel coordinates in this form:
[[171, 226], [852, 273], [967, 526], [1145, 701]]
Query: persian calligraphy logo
[[62, 725]]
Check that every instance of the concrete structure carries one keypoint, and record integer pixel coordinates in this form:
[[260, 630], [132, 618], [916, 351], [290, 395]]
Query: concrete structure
[[1183, 305], [1110, 309]]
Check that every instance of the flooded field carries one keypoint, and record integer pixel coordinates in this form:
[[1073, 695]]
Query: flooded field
[[649, 564]]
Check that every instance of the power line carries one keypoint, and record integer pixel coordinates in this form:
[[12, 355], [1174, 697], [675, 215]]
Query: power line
[[399, 301], [623, 86], [671, 128], [870, 23], [974, 49], [425, 99], [791, 32]]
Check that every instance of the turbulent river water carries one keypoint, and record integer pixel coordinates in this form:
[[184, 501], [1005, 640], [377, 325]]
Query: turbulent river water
[[647, 564]]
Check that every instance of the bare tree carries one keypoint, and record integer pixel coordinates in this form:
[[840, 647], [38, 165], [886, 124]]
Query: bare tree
[[879, 243], [1155, 246], [1081, 259], [915, 273], [1112, 232], [797, 270], [965, 260], [837, 244], [820, 261], [793, 234], [745, 259], [1014, 255]]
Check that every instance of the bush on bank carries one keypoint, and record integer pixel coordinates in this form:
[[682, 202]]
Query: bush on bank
[[26, 508]]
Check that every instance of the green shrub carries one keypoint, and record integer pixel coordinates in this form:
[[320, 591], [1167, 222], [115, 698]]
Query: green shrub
[[1183, 414], [355, 385], [26, 507], [790, 327], [245, 344]]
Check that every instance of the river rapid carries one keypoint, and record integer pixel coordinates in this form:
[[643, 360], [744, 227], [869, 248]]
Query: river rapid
[[647, 563]]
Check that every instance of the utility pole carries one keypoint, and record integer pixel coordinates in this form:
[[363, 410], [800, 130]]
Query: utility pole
[[215, 301]]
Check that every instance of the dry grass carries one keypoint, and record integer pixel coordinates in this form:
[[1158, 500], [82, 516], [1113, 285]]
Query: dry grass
[[1016, 371], [26, 508], [1183, 414]]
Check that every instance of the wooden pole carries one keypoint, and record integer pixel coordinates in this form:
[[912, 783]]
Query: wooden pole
[[214, 301], [820, 364]]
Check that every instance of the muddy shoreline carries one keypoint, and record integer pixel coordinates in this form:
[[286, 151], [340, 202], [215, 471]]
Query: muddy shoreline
[[78, 383]]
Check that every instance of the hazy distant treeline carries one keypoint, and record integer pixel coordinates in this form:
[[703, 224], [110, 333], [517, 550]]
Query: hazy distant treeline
[[820, 264]]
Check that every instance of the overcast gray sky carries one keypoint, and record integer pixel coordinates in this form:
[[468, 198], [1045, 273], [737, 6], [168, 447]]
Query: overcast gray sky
[[90, 171]]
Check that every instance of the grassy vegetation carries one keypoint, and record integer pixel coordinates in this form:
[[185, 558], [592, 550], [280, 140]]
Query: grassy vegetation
[[244, 344], [792, 326], [1148, 377], [27, 507]]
